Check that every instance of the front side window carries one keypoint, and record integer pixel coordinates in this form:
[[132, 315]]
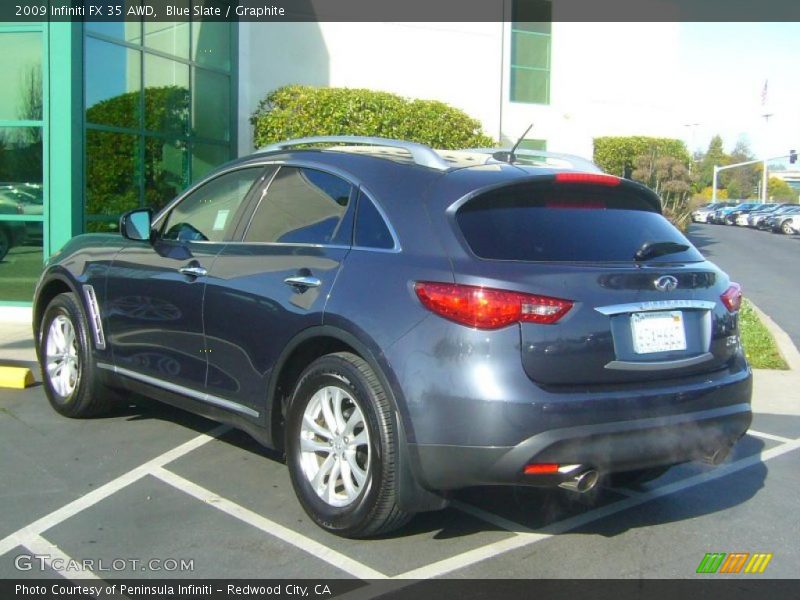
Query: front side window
[[207, 214], [301, 206]]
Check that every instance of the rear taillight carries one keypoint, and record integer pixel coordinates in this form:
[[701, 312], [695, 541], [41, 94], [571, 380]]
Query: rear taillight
[[595, 178], [487, 308], [732, 297]]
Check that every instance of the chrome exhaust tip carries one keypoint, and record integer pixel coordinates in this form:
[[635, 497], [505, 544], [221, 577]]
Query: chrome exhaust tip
[[718, 456], [582, 482]]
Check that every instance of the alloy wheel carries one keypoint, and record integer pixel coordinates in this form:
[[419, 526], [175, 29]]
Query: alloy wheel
[[62, 361], [334, 446]]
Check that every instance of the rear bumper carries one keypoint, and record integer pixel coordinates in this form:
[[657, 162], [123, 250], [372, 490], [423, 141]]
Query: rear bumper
[[607, 447]]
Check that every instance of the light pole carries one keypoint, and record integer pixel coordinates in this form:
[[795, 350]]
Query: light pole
[[691, 149]]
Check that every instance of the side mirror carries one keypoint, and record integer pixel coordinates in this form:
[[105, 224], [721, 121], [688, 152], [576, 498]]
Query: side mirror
[[137, 225]]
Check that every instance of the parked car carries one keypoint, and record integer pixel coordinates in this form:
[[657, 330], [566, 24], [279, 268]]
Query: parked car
[[721, 215], [404, 322], [700, 215], [732, 217], [775, 222], [718, 215], [791, 225], [755, 217]]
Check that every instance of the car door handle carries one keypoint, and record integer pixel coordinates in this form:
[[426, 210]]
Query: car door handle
[[302, 282], [193, 271]]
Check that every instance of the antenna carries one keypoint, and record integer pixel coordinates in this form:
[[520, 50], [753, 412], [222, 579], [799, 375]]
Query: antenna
[[511, 156]]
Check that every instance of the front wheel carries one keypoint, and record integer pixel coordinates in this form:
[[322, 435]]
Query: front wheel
[[69, 374], [342, 447], [786, 227]]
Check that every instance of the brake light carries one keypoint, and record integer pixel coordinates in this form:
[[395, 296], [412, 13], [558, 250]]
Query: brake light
[[595, 178], [488, 308], [732, 297]]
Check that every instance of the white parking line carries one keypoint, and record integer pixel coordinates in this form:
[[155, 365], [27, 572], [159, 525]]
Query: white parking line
[[495, 549], [298, 540], [42, 547], [769, 436], [21, 536]]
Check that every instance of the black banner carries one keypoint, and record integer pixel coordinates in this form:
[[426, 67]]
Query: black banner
[[702, 587], [399, 10]]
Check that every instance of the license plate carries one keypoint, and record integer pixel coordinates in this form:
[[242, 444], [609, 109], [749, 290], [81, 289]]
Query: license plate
[[658, 332]]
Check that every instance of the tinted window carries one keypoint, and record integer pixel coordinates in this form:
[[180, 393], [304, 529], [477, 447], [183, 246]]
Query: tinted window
[[207, 214], [547, 224], [301, 206], [371, 229]]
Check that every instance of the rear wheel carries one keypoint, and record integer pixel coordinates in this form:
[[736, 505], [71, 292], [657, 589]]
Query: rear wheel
[[341, 448], [68, 370]]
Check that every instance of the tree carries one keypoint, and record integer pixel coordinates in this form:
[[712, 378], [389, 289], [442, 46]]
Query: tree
[[616, 154], [660, 163], [715, 155], [781, 191], [741, 182]]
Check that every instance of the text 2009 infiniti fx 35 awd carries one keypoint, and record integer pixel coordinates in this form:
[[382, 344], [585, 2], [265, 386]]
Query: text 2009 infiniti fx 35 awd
[[405, 322]]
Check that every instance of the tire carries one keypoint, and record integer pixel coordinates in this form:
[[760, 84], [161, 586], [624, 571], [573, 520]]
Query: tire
[[786, 228], [71, 383], [5, 243], [362, 451], [627, 478]]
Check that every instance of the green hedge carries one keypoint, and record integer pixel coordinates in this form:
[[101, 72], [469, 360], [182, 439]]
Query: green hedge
[[613, 154], [298, 111]]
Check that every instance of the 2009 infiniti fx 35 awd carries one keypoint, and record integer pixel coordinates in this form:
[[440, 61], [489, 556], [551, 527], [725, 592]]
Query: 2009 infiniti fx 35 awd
[[405, 322]]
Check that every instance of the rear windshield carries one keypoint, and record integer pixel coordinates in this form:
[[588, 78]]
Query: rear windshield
[[577, 224]]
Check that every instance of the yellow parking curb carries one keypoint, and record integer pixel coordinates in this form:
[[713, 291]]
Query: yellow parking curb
[[17, 378]]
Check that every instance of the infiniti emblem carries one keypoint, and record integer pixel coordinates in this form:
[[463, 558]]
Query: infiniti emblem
[[667, 283]]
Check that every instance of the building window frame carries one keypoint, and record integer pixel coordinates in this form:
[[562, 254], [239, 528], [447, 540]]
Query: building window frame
[[515, 68], [190, 138], [42, 124]]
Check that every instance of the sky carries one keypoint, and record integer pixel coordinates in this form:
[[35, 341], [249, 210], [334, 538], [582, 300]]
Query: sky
[[723, 67]]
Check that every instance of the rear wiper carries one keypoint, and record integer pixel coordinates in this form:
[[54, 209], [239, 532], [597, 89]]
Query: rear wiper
[[650, 250]]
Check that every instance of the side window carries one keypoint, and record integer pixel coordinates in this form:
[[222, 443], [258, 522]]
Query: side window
[[371, 229], [301, 206], [207, 214]]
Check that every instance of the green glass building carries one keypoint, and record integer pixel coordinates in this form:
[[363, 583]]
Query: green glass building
[[99, 118]]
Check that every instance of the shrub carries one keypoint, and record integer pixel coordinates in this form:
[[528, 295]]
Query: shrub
[[296, 111]]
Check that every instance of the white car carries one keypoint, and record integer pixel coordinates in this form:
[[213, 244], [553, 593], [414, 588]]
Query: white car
[[700, 215], [792, 224]]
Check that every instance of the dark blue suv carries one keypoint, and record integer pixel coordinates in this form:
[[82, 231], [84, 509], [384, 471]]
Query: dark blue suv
[[405, 322]]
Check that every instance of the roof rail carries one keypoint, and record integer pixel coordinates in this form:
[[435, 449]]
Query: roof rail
[[420, 154]]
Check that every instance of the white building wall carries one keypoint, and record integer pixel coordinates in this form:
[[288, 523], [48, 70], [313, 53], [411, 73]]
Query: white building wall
[[606, 78]]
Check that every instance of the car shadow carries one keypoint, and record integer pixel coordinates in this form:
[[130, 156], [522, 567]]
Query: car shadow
[[532, 509], [699, 238]]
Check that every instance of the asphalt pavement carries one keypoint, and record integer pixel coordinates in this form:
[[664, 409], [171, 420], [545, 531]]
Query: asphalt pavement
[[766, 264]]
